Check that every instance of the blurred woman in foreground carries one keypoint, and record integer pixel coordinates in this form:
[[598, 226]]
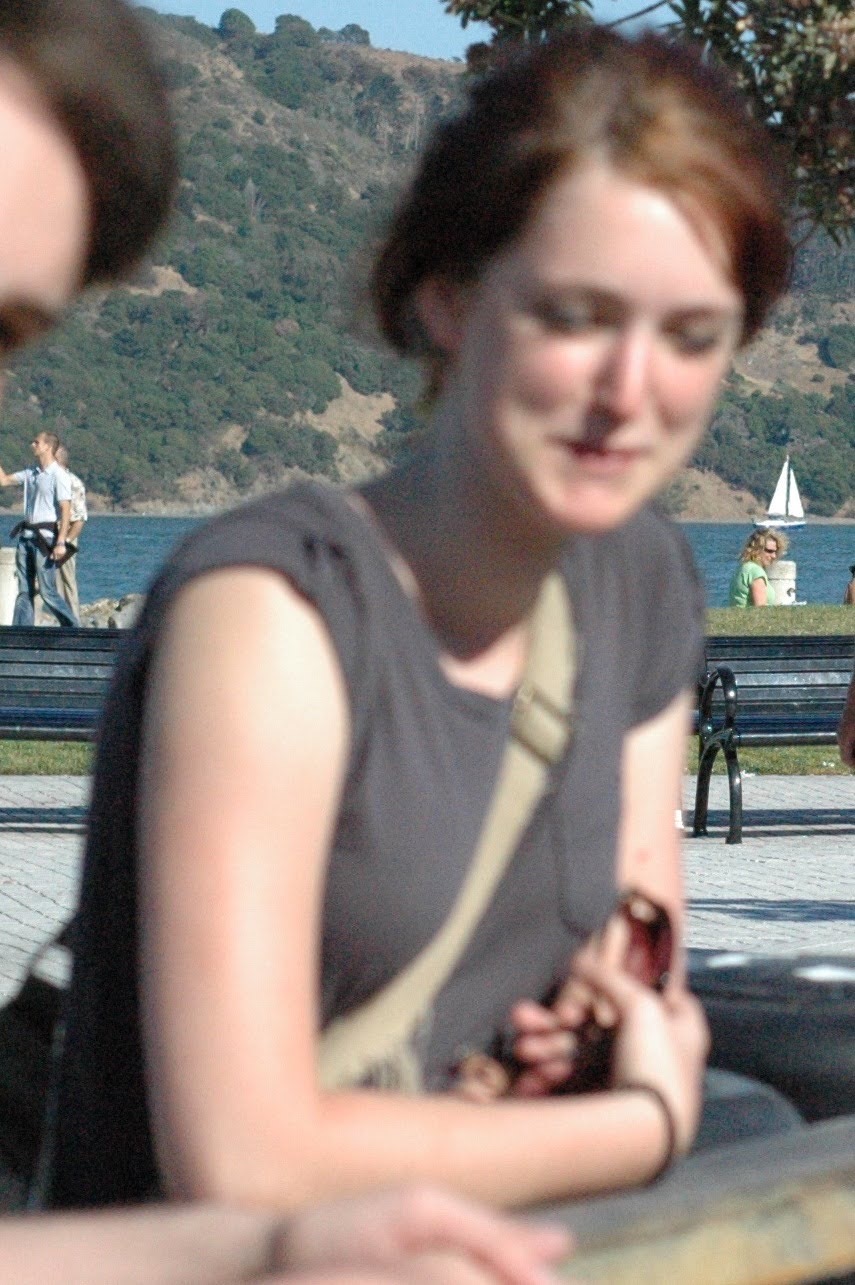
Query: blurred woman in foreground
[[304, 735]]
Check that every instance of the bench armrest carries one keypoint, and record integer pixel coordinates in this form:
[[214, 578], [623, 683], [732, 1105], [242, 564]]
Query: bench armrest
[[720, 675]]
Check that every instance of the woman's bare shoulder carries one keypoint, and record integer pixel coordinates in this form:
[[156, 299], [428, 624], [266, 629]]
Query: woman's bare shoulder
[[247, 603], [244, 639]]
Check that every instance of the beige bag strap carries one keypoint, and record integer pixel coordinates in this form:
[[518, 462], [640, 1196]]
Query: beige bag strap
[[375, 1037]]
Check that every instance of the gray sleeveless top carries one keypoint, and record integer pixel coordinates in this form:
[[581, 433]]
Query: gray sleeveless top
[[422, 764]]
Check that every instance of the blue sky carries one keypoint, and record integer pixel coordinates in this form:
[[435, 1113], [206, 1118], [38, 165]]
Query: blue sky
[[417, 26]]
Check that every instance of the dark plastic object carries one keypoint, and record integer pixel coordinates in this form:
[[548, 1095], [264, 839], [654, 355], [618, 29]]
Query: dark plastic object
[[789, 1022]]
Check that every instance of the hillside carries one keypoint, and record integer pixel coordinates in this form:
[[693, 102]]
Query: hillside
[[792, 390], [234, 357]]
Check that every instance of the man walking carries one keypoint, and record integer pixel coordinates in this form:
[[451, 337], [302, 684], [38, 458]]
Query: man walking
[[43, 533], [67, 566]]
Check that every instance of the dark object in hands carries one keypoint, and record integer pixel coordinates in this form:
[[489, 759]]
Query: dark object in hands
[[648, 958], [70, 551], [649, 955], [650, 950]]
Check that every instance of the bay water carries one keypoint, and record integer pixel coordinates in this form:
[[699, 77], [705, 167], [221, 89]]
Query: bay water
[[120, 555]]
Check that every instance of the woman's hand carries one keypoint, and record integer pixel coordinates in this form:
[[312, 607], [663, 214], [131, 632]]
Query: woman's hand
[[543, 1043], [660, 1040], [656, 1039], [548, 1039], [422, 1235]]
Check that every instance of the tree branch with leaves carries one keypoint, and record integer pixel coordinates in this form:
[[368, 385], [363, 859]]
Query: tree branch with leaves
[[793, 59]]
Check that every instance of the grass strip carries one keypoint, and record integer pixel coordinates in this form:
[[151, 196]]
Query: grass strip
[[810, 619], [45, 758], [68, 758], [778, 760]]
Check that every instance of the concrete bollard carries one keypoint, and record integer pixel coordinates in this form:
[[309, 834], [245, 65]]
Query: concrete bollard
[[782, 578], [8, 585]]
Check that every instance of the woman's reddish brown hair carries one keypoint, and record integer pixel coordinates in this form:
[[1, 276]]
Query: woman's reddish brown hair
[[652, 109]]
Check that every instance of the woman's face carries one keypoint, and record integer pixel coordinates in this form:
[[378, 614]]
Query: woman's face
[[44, 214], [768, 551], [585, 361]]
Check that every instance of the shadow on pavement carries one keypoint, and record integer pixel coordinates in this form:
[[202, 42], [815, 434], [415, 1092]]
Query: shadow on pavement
[[767, 822], [781, 909], [42, 818]]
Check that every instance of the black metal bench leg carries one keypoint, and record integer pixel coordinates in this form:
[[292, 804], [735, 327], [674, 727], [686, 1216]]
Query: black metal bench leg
[[734, 784], [702, 789]]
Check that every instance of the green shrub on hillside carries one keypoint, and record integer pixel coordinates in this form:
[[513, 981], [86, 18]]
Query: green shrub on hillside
[[180, 75], [292, 445], [838, 347], [351, 34], [187, 26], [285, 65], [236, 25]]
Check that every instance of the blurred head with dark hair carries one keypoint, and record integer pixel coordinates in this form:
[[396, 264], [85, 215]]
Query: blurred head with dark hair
[[87, 154]]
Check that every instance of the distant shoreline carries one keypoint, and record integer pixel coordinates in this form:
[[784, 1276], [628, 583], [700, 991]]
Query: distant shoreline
[[200, 514], [133, 513], [809, 521]]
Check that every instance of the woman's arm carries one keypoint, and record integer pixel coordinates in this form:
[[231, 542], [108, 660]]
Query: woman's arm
[[385, 1237], [649, 847], [759, 591], [163, 1245], [245, 743]]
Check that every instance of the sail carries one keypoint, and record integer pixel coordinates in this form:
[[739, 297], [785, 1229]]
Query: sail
[[786, 501], [794, 504]]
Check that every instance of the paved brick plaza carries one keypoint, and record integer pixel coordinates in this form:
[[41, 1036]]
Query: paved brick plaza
[[790, 885]]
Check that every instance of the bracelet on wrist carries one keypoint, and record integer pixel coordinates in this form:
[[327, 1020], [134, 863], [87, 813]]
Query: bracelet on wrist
[[670, 1126]]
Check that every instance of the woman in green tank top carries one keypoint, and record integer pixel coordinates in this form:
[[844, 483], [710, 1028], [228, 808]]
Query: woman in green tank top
[[750, 585]]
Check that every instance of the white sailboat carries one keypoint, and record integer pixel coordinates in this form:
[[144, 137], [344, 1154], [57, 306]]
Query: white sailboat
[[785, 508]]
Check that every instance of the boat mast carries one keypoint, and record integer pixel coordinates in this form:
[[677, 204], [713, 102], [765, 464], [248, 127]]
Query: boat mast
[[789, 472]]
